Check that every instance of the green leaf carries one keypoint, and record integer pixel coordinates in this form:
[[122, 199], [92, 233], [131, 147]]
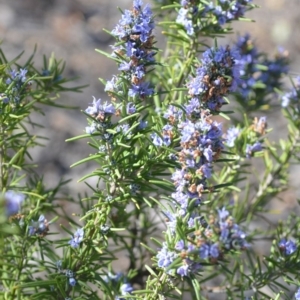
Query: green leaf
[[79, 137], [92, 157]]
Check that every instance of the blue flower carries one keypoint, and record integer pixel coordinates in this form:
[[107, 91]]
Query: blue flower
[[72, 281], [288, 247], [134, 31], [141, 89], [157, 140], [165, 257], [179, 245], [292, 98], [224, 12], [231, 136], [223, 213], [77, 238], [126, 288], [91, 129], [18, 76], [218, 74], [40, 228], [130, 108], [204, 251], [13, 201], [183, 270], [250, 149], [110, 277], [249, 59], [99, 110], [297, 295], [143, 124], [214, 250]]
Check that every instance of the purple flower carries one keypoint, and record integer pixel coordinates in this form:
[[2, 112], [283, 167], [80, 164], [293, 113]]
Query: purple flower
[[214, 250], [99, 110], [297, 295], [165, 257], [13, 201], [19, 76], [204, 251], [188, 129], [224, 12], [275, 68], [184, 19], [142, 90], [292, 98], [40, 227], [134, 46], [110, 277], [173, 114], [223, 214], [183, 270], [179, 245], [126, 288], [252, 149], [288, 247], [157, 140], [72, 281], [218, 74], [125, 66], [250, 74], [4, 98], [77, 238], [111, 85], [143, 124], [231, 135], [171, 220], [181, 199], [91, 129]]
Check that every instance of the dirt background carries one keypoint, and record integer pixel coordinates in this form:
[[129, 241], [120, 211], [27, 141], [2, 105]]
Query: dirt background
[[72, 29]]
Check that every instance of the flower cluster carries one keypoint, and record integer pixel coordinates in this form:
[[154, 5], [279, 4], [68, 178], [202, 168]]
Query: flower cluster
[[257, 129], [39, 227], [120, 282], [256, 68], [77, 238], [250, 138], [297, 295], [18, 77], [274, 70], [225, 12], [248, 61], [229, 10], [251, 149], [16, 82], [101, 113], [13, 201], [292, 98], [135, 52], [209, 240], [201, 144], [218, 74], [68, 273], [200, 137], [231, 135]]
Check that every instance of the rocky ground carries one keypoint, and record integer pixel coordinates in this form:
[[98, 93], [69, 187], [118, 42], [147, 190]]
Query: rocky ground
[[72, 29]]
